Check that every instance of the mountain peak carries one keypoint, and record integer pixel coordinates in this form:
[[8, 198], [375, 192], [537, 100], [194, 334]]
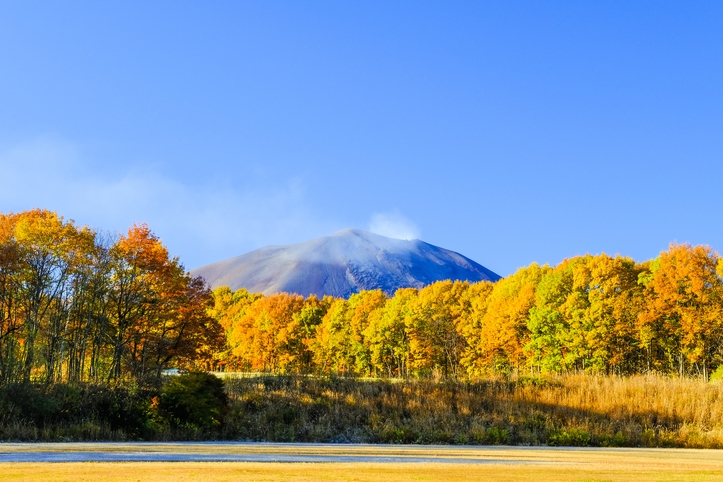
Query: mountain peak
[[349, 232], [341, 264]]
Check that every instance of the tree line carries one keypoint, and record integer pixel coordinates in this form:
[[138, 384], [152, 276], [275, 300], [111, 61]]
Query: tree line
[[78, 305], [604, 314]]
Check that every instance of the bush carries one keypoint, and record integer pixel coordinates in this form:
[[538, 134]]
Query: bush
[[717, 375], [194, 400], [571, 438], [30, 411], [124, 409]]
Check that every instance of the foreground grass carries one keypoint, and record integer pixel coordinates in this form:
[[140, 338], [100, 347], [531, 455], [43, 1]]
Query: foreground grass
[[573, 410], [539, 464]]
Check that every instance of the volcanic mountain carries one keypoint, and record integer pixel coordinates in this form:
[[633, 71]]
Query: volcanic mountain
[[342, 264]]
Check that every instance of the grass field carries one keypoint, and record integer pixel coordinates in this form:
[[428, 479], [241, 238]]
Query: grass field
[[207, 472], [568, 410], [505, 463]]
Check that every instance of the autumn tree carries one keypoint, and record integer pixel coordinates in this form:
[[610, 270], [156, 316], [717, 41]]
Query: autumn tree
[[308, 320], [11, 319], [331, 345], [435, 334], [362, 305], [474, 360], [386, 334], [557, 307], [76, 305], [49, 249], [585, 314], [268, 336], [499, 343], [228, 310], [607, 328], [682, 325]]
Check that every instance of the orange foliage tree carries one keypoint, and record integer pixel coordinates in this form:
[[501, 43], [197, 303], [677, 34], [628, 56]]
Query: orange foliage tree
[[682, 325], [268, 335], [503, 333], [76, 305]]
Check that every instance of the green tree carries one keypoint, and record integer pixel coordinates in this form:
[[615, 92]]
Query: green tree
[[387, 336]]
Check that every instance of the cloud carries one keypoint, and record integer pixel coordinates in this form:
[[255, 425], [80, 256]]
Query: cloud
[[394, 225], [201, 223]]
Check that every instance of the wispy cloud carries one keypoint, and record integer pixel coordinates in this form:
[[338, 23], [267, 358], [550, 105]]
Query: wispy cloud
[[394, 225], [200, 223]]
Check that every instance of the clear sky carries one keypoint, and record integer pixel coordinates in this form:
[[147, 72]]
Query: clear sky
[[510, 132]]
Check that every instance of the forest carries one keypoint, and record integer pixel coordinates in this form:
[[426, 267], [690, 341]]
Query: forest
[[598, 314], [598, 350], [76, 305]]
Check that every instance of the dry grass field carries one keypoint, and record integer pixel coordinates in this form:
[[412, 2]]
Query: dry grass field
[[566, 410], [489, 463], [207, 472]]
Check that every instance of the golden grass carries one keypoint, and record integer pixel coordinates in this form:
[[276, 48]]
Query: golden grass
[[577, 409], [643, 410], [691, 400], [546, 465]]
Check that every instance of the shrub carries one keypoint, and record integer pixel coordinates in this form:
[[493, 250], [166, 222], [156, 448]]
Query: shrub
[[572, 438], [124, 409], [194, 400], [717, 375], [30, 411], [497, 436]]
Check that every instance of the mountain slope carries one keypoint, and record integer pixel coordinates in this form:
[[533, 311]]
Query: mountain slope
[[342, 264]]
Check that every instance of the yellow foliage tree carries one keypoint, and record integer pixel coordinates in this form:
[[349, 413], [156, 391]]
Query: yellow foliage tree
[[683, 321], [268, 336], [503, 333], [436, 340], [386, 334]]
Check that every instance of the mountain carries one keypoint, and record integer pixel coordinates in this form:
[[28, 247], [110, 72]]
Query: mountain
[[342, 264]]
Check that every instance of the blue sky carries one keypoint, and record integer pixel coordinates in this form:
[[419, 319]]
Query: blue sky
[[510, 132]]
